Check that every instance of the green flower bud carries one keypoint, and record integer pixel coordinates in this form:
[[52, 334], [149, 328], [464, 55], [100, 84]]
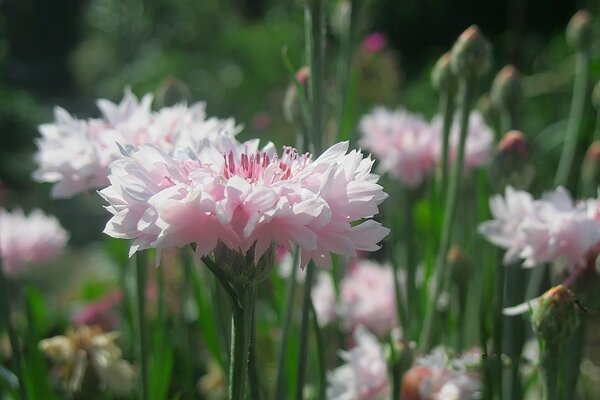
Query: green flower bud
[[489, 111], [460, 265], [341, 18], [507, 88], [172, 91], [242, 269], [555, 317], [596, 96], [471, 54], [590, 172], [581, 31], [442, 77], [292, 110], [512, 162]]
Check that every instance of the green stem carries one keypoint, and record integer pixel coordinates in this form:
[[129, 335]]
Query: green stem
[[412, 300], [465, 96], [575, 117], [575, 347], [141, 278], [343, 68], [303, 346], [314, 16], [447, 112], [12, 334], [241, 331], [550, 359], [320, 352], [498, 327], [285, 332], [253, 379]]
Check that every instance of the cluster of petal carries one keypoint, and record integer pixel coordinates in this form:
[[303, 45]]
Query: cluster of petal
[[74, 154], [409, 148], [367, 297], [478, 146], [243, 196], [552, 228], [402, 141], [443, 378], [32, 239], [364, 374], [72, 353]]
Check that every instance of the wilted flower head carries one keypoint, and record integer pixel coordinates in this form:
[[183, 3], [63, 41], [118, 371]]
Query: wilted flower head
[[367, 297], [402, 141], [82, 347], [478, 147], [436, 376], [552, 228], [74, 154], [246, 198], [32, 239], [363, 376]]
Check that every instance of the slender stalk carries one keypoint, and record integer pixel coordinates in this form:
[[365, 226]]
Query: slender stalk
[[315, 31], [343, 69], [253, 379], [303, 347], [550, 359], [498, 326], [582, 61], [412, 300], [574, 354], [285, 332], [465, 96], [320, 352], [12, 334], [447, 112], [141, 279], [241, 331]]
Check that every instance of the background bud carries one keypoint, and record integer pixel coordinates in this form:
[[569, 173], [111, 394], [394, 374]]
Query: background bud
[[596, 96], [471, 54], [442, 77], [512, 162], [489, 111], [460, 265], [292, 109], [555, 317], [341, 18], [581, 31], [590, 173], [507, 88]]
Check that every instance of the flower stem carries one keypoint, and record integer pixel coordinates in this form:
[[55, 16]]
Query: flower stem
[[253, 378], [285, 332], [303, 347], [412, 298], [447, 112], [141, 278], [465, 97], [320, 352], [314, 17], [550, 359], [575, 346], [582, 61], [241, 331], [12, 334]]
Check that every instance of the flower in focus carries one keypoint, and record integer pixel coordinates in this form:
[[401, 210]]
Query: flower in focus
[[367, 297], [478, 147], [364, 374], [33, 239], [402, 141], [85, 346], [438, 377], [246, 198], [549, 229], [74, 154]]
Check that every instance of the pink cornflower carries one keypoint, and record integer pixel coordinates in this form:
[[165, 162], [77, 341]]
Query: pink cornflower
[[479, 144], [550, 229], [374, 42], [364, 374], [33, 239], [245, 197], [367, 297], [403, 142], [74, 154]]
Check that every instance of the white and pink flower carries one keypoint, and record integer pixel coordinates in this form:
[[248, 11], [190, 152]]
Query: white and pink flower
[[74, 154], [33, 239], [243, 196]]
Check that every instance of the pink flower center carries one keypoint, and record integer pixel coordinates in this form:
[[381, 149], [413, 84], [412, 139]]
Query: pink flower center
[[252, 166]]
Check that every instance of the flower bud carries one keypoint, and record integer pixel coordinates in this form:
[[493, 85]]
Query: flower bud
[[460, 265], [590, 173], [412, 381], [341, 18], [471, 54], [489, 111], [507, 88], [581, 31], [555, 317], [596, 96], [512, 162], [172, 91], [292, 109], [442, 77], [242, 269]]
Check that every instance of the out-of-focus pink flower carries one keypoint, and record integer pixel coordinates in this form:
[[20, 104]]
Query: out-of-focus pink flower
[[479, 144], [437, 377], [261, 121], [100, 313], [32, 239], [74, 154], [367, 297], [549, 229], [402, 141], [243, 196], [374, 42], [363, 376]]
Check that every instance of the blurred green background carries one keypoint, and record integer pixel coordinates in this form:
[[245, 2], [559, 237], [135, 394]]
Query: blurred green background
[[229, 54]]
